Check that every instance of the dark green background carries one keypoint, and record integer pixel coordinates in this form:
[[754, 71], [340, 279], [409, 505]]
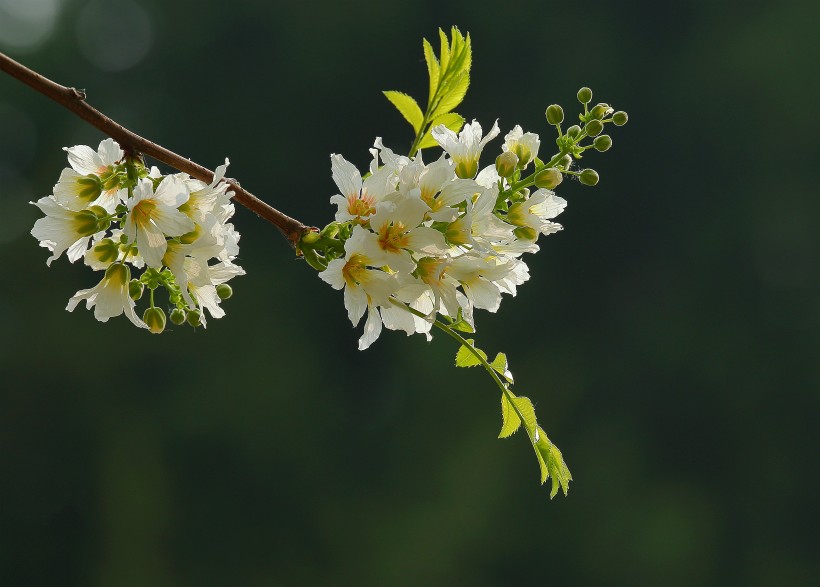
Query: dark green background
[[669, 336]]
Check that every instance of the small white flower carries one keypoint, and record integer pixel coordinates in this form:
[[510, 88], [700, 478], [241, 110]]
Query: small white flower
[[109, 298], [358, 198], [465, 149], [537, 211], [524, 145], [62, 229], [154, 215]]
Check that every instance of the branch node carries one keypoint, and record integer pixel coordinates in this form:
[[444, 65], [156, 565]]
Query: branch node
[[78, 94]]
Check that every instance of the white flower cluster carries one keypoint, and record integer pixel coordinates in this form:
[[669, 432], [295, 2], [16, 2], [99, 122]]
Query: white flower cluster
[[115, 214], [441, 238]]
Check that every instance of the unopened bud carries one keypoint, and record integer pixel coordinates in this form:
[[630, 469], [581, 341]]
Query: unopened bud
[[224, 291], [574, 131], [194, 318], [135, 289], [565, 162], [594, 128], [548, 178], [177, 316], [155, 319], [505, 163], [526, 233], [585, 95], [620, 118], [602, 143], [600, 111], [555, 114], [588, 177]]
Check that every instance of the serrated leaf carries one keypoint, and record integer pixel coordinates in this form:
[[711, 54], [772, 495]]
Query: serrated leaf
[[451, 120], [445, 50], [512, 410], [408, 108], [553, 465], [501, 367], [454, 94], [466, 358], [432, 68]]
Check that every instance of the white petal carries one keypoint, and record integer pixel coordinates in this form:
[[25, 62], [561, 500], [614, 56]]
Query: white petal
[[372, 328]]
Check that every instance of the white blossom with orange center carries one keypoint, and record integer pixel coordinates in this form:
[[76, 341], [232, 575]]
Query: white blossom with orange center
[[153, 216], [365, 288], [396, 234], [358, 198]]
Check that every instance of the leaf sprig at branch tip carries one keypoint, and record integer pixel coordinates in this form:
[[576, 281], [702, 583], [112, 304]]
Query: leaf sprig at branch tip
[[414, 245]]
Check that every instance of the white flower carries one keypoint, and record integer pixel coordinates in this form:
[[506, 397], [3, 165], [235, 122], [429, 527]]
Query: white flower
[[358, 198], [365, 288], [88, 181], [537, 211], [465, 149], [109, 298], [524, 145], [63, 229], [153, 215]]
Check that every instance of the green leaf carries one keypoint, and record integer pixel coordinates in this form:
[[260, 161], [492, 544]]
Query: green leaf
[[552, 464], [501, 367], [460, 323], [445, 50], [408, 108], [466, 358], [512, 408], [451, 120], [432, 68], [454, 93]]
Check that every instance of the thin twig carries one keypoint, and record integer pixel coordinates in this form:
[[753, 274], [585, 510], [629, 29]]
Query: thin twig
[[74, 100]]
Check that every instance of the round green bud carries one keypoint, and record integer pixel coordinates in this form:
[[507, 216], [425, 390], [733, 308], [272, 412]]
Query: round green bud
[[602, 143], [224, 291], [574, 131], [311, 237], [565, 162], [135, 289], [548, 178], [506, 163], [620, 118], [600, 111], [555, 114], [585, 95], [155, 319], [594, 127], [194, 318], [588, 177], [526, 233], [177, 316]]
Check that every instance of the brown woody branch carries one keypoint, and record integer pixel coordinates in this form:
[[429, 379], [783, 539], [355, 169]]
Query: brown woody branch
[[74, 100]]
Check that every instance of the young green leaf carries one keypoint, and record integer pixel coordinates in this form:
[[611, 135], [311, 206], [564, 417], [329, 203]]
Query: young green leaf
[[512, 408], [461, 324], [455, 92], [451, 120], [501, 367], [466, 358], [552, 464], [408, 108], [432, 68]]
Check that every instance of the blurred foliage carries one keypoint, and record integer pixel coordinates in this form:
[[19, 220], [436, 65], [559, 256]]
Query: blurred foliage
[[677, 315]]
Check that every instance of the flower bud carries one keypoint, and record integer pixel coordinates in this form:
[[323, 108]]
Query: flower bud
[[588, 177], [224, 291], [600, 111], [602, 143], [565, 162], [585, 95], [505, 163], [555, 114], [574, 131], [594, 127], [194, 318], [548, 178], [311, 237], [135, 289], [155, 319], [177, 316], [526, 233], [620, 118]]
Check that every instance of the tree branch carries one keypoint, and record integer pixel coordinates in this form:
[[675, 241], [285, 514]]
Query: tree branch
[[74, 100]]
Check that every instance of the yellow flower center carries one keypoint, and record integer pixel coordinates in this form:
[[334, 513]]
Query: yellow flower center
[[393, 237]]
